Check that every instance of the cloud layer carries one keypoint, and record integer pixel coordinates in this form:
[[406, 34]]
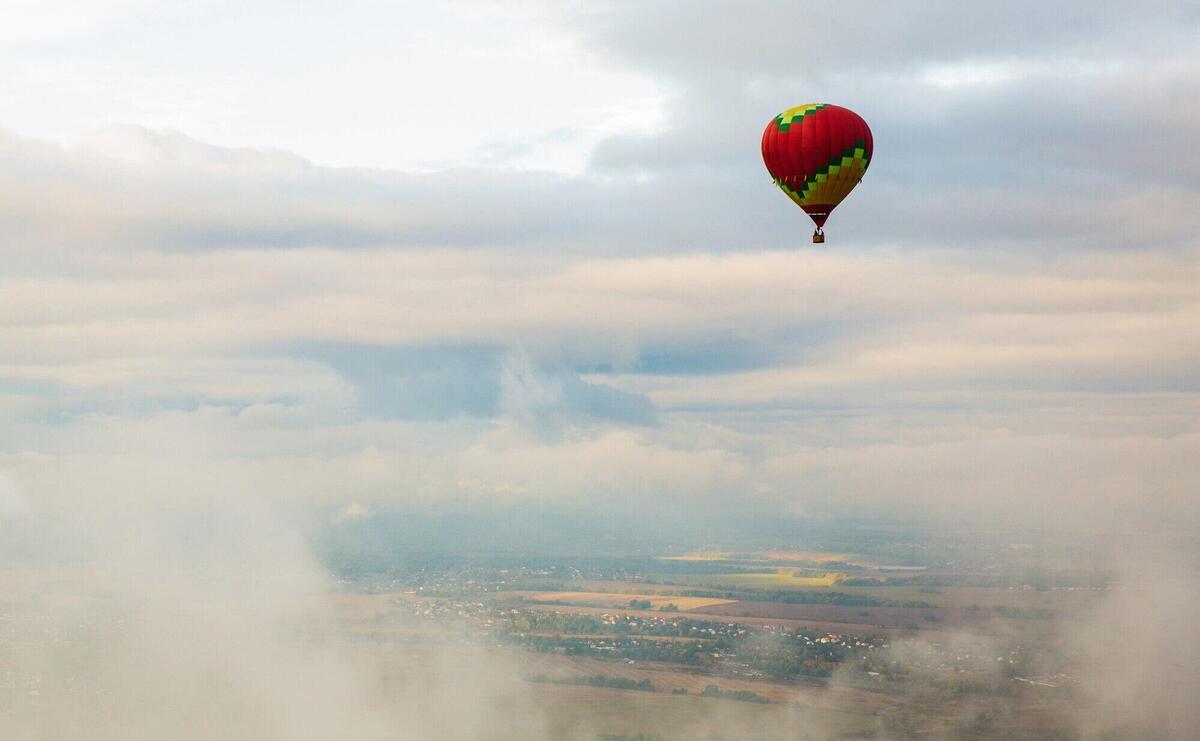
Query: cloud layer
[[1004, 321]]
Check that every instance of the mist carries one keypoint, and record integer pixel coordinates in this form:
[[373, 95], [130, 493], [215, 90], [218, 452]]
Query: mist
[[213, 619]]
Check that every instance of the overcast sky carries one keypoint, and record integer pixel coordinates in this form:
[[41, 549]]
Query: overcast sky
[[362, 256]]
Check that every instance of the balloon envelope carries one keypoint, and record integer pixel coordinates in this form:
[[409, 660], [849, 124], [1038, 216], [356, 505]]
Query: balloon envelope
[[816, 154]]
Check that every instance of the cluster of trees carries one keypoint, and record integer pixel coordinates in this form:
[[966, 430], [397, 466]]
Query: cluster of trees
[[1025, 613], [713, 690], [599, 680], [789, 659], [679, 652]]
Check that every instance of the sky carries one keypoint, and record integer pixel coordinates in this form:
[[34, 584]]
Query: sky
[[377, 256]]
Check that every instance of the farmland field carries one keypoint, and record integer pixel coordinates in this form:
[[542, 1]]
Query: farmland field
[[890, 617], [1068, 600], [778, 579]]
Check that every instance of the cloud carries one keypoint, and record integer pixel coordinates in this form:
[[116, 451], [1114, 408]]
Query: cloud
[[30, 21], [534, 396], [1018, 127], [1137, 677], [208, 616], [799, 39], [413, 373], [385, 332], [420, 382], [351, 513]]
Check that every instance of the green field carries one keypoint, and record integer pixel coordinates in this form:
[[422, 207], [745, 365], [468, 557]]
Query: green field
[[1064, 602]]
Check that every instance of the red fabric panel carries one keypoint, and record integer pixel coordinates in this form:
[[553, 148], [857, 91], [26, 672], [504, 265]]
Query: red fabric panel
[[806, 147], [783, 155], [820, 217], [813, 142]]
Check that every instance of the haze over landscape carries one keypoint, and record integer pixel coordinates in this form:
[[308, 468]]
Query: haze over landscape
[[368, 371]]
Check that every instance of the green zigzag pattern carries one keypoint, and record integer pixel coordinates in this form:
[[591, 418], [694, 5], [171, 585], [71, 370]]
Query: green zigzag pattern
[[785, 125], [858, 151]]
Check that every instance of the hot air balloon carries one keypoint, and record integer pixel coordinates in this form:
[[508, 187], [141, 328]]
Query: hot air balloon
[[816, 154]]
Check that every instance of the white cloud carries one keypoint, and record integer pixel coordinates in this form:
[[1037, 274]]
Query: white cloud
[[27, 21], [408, 85]]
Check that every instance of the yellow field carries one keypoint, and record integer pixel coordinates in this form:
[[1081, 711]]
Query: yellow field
[[817, 556], [777, 555], [785, 578], [607, 599]]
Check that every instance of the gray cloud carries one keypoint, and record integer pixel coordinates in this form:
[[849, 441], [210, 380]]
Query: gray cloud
[[440, 382], [420, 382], [798, 39], [1018, 127], [1137, 678]]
